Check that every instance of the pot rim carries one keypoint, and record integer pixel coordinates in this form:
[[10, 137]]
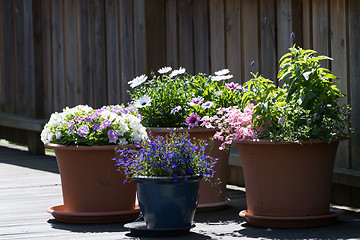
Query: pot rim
[[85, 148], [269, 141], [160, 179], [179, 129]]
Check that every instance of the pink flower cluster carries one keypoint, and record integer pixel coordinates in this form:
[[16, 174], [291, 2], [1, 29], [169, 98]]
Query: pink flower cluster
[[232, 124]]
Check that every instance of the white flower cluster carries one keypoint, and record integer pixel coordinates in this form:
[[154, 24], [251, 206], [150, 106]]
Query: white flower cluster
[[83, 125]]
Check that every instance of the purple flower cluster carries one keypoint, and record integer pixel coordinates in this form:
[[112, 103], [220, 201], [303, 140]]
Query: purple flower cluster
[[174, 156]]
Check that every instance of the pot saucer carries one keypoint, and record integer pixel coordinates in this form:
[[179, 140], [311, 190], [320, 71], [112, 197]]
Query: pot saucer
[[292, 222], [93, 217], [140, 229]]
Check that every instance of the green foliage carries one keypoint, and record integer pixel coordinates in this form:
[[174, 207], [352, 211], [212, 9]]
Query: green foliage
[[171, 96], [305, 107]]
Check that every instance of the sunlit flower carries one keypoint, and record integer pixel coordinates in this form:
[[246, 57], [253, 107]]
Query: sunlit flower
[[207, 104], [164, 70], [137, 81], [83, 130], [196, 101], [144, 101], [177, 72], [221, 77], [192, 120], [281, 120], [112, 136], [233, 86], [222, 72], [175, 110]]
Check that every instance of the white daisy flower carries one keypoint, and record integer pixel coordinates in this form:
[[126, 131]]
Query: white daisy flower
[[222, 77], [177, 72], [144, 101], [137, 81], [222, 72], [164, 70]]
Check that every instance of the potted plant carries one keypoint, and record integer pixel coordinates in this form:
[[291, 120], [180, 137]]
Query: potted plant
[[176, 101], [287, 139], [167, 171], [84, 140]]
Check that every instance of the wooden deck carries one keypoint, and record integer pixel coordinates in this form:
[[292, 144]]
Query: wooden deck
[[29, 184]]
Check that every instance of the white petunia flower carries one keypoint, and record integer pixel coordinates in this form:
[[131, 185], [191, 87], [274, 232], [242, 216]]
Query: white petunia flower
[[164, 70], [144, 101], [177, 72], [222, 72], [222, 77], [137, 81]]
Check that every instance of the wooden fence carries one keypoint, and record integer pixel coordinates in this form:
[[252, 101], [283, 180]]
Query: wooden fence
[[57, 53]]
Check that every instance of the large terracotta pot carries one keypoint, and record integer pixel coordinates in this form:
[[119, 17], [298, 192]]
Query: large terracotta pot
[[287, 184], [210, 197], [91, 185]]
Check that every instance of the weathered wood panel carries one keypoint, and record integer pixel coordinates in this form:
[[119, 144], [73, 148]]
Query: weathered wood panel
[[112, 53], [339, 52], [217, 35], [201, 36], [354, 76], [233, 39], [268, 39]]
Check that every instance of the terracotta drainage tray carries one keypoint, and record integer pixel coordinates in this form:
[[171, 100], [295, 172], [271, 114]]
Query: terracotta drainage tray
[[292, 222], [93, 217]]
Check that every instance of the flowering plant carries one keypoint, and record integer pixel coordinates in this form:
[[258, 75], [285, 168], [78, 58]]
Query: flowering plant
[[177, 99], [83, 125], [174, 155], [305, 107]]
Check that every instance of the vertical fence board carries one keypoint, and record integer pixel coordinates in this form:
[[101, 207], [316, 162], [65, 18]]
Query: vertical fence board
[[217, 35], [233, 39], [171, 33], [307, 24], [127, 53], [201, 36], [339, 64], [99, 58], [250, 33], [8, 71], [24, 64], [156, 34], [57, 55], [85, 53], [38, 39], [320, 28], [268, 39], [354, 63], [70, 50], [284, 23], [186, 58], [139, 37], [112, 52], [47, 58]]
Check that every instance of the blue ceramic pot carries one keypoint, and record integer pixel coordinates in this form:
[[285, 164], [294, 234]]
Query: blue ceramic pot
[[165, 204]]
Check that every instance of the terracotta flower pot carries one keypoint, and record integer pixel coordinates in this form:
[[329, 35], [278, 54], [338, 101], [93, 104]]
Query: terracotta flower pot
[[91, 185], [210, 197], [287, 183]]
